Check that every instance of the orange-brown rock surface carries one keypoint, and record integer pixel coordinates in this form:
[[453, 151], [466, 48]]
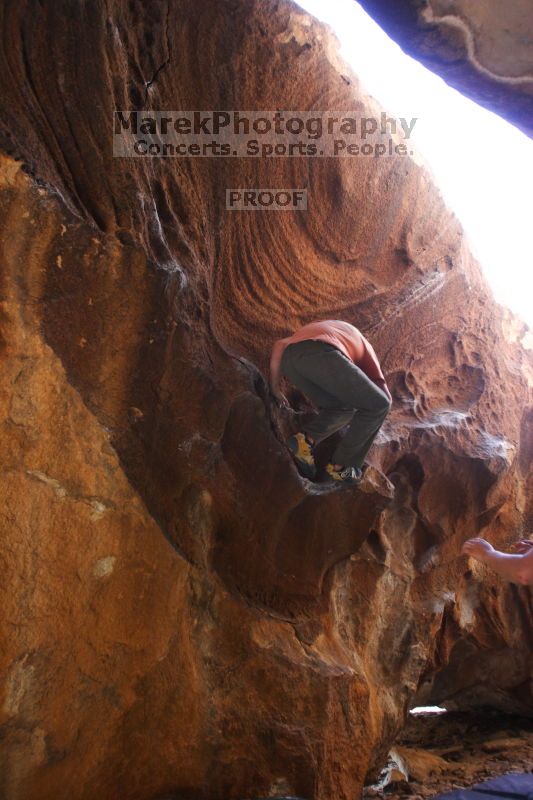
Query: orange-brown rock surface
[[183, 616]]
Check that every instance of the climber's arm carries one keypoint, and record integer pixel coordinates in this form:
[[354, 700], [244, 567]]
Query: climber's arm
[[372, 367], [515, 568]]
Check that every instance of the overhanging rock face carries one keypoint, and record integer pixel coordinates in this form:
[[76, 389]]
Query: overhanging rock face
[[183, 615], [483, 49]]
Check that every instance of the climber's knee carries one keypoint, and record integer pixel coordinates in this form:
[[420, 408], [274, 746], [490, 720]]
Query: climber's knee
[[387, 405]]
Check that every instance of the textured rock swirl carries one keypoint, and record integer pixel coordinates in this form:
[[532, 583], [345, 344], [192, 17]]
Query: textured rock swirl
[[183, 616]]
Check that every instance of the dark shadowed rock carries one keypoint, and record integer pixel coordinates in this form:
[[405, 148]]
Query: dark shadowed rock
[[483, 49]]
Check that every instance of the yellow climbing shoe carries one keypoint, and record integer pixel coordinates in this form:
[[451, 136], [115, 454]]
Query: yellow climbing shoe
[[302, 452], [345, 474]]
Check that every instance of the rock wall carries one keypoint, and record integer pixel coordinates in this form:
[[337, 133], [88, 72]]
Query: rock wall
[[183, 615], [481, 49]]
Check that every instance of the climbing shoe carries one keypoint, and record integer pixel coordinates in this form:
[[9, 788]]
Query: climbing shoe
[[302, 451], [345, 474]]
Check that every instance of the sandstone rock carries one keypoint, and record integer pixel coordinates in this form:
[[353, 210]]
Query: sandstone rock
[[375, 481], [481, 49], [182, 613], [461, 737], [420, 763], [495, 745], [393, 775]]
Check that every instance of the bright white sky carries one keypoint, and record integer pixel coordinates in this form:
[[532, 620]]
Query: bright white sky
[[482, 164]]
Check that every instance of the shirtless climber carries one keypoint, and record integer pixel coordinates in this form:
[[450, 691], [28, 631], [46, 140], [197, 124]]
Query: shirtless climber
[[333, 364], [514, 567]]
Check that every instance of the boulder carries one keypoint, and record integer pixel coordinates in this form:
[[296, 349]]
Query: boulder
[[183, 615]]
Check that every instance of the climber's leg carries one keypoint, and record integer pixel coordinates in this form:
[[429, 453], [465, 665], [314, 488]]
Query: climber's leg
[[301, 365], [353, 448], [343, 394], [371, 408]]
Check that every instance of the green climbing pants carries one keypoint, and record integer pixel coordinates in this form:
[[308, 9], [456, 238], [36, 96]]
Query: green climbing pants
[[343, 395]]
